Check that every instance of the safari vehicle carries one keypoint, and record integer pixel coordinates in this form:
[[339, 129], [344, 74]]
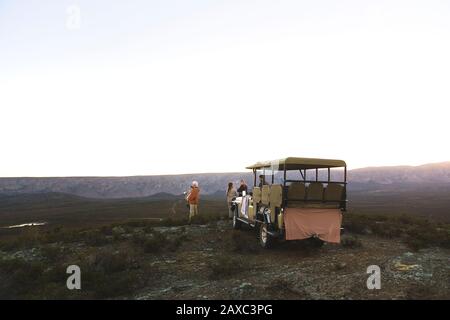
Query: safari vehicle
[[294, 209]]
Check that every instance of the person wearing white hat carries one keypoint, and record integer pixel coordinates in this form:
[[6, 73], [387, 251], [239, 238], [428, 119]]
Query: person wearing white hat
[[193, 200]]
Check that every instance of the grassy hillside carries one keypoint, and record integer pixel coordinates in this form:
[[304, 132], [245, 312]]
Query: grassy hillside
[[63, 209], [431, 201]]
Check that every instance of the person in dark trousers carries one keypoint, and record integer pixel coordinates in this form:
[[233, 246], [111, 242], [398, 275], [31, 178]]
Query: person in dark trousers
[[242, 187]]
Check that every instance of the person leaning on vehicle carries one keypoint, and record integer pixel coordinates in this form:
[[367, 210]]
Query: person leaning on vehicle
[[243, 187], [231, 194], [193, 200]]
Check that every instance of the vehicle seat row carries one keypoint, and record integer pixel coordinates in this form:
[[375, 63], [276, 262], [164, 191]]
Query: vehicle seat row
[[299, 194], [271, 196], [315, 192]]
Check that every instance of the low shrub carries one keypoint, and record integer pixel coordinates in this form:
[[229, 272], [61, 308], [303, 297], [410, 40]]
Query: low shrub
[[22, 277], [155, 243], [94, 237], [170, 222], [427, 236], [51, 253], [205, 218], [416, 232], [351, 242], [177, 242], [111, 262], [242, 242], [225, 265]]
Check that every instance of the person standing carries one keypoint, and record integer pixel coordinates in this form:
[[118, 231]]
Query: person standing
[[193, 200], [262, 181], [243, 187], [231, 193]]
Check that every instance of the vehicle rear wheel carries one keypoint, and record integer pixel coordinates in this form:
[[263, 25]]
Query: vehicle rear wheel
[[265, 239]]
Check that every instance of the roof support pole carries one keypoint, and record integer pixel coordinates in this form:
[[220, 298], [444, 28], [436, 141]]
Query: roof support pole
[[264, 176], [301, 173], [345, 187]]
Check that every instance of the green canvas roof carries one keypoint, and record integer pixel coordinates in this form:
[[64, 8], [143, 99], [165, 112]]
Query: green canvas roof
[[294, 163]]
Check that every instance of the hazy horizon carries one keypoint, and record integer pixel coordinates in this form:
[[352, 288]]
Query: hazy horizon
[[210, 172], [111, 88]]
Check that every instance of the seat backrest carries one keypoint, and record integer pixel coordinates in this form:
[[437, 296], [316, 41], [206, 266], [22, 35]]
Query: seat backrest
[[297, 191], [256, 195], [334, 192], [265, 193], [276, 195], [315, 191]]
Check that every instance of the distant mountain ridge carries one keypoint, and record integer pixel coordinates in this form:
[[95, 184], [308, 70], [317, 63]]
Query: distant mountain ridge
[[433, 172], [121, 187], [164, 186]]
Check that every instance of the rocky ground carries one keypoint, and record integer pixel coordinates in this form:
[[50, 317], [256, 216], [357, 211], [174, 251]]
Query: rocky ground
[[292, 270], [212, 261]]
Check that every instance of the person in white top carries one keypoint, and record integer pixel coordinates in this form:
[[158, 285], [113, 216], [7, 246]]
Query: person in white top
[[231, 193]]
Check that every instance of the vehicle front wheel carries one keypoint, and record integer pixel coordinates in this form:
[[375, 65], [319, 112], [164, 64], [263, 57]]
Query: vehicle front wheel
[[265, 239], [236, 223]]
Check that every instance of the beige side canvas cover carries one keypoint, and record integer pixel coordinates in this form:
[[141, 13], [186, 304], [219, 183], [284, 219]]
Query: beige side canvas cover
[[303, 223]]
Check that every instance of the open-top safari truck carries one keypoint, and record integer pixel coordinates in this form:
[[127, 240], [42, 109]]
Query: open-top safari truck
[[280, 206]]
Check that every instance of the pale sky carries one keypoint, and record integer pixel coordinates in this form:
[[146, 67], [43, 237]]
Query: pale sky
[[157, 87]]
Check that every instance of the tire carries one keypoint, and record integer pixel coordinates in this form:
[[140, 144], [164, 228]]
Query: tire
[[265, 240], [237, 224]]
